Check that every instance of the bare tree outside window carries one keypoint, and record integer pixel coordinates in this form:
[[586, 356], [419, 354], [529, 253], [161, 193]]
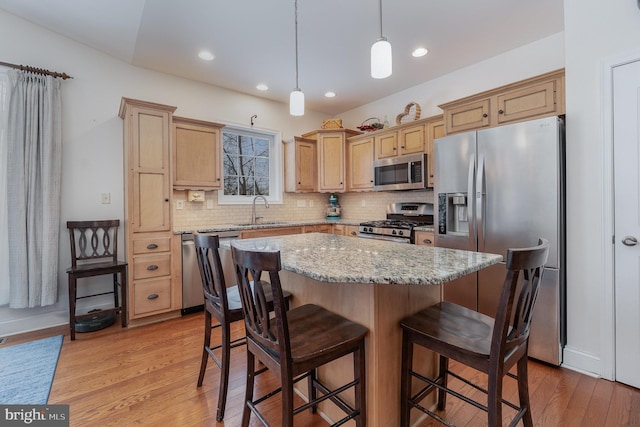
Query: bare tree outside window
[[246, 164]]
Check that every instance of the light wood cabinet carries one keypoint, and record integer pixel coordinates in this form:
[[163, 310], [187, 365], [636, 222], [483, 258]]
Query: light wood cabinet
[[360, 163], [197, 154], [386, 145], [408, 138], [345, 230], [434, 130], [537, 97], [152, 251], [425, 238], [331, 144], [318, 228], [266, 232], [300, 165]]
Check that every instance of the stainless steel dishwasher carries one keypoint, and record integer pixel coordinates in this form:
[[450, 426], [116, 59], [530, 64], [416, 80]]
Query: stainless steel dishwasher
[[192, 295]]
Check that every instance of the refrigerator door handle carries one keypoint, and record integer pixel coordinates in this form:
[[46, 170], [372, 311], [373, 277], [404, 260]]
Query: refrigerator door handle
[[479, 203], [471, 200]]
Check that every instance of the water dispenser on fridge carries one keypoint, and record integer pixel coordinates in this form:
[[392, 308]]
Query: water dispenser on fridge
[[453, 214]]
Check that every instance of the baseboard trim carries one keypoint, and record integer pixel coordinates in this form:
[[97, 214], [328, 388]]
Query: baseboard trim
[[583, 362]]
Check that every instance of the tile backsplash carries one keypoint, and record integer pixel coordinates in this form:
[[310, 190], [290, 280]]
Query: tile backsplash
[[294, 207]]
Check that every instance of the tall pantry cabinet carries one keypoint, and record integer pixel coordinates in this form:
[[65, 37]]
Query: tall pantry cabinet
[[152, 250]]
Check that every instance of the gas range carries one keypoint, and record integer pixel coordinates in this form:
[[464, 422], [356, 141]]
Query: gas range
[[401, 220]]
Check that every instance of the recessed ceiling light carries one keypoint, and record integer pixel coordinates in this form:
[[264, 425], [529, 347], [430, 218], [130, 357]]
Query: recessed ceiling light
[[330, 94], [206, 55], [421, 51], [262, 86]]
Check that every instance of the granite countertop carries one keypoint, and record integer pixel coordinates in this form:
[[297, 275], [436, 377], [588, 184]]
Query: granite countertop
[[340, 259], [212, 228]]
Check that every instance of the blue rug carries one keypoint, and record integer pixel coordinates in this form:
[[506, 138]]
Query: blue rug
[[27, 370]]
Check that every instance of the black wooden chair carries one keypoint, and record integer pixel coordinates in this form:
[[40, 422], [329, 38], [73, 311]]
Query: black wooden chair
[[94, 252], [223, 304], [492, 346], [294, 343]]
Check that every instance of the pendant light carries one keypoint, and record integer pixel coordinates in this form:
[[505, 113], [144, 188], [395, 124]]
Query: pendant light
[[296, 98], [381, 55]]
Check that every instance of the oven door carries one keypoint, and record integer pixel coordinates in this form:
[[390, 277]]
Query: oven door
[[387, 238]]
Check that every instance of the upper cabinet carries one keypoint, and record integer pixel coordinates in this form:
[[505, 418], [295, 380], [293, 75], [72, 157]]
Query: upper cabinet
[[360, 163], [540, 96], [434, 129], [331, 144], [300, 165], [147, 154], [407, 138], [196, 154]]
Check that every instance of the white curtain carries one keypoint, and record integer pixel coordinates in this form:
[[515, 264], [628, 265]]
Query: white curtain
[[4, 235], [34, 165]]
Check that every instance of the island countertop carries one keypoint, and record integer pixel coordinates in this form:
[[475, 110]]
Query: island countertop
[[340, 259]]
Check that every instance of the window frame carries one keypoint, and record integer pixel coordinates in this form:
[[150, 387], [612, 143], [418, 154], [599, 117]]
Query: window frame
[[275, 165]]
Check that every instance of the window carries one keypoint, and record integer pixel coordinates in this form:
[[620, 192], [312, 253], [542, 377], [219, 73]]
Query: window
[[251, 166]]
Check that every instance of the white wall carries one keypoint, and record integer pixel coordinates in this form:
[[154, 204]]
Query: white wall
[[531, 60], [92, 130], [595, 33]]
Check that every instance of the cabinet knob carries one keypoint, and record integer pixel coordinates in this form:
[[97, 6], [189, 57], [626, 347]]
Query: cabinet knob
[[166, 200], [500, 111], [485, 115]]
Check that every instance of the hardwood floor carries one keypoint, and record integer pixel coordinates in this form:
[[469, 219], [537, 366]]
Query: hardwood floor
[[147, 376]]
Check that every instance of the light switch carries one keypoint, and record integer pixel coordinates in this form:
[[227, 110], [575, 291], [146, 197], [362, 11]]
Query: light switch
[[179, 204], [106, 198]]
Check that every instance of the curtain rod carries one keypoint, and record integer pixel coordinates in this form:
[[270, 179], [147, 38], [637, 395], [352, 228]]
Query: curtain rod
[[63, 76]]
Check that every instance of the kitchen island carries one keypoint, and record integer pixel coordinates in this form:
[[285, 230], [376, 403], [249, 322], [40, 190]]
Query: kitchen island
[[376, 284]]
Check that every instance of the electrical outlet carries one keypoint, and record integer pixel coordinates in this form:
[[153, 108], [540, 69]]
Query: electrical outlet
[[179, 204], [302, 203], [209, 204], [310, 203], [105, 198], [362, 203]]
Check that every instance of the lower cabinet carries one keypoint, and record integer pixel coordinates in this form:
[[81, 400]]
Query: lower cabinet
[[318, 228], [266, 232], [156, 285], [345, 230], [425, 238]]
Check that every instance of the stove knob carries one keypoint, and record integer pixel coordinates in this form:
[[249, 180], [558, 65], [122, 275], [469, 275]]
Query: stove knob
[[401, 233], [370, 229], [393, 232]]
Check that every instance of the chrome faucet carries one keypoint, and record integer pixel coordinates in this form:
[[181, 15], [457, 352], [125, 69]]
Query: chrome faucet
[[253, 212]]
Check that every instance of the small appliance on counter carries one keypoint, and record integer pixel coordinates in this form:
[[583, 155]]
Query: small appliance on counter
[[333, 209]]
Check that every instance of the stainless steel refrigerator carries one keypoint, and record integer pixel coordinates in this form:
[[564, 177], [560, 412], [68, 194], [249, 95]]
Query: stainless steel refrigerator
[[503, 188]]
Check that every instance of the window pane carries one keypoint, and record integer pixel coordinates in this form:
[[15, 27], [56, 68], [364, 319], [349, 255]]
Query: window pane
[[231, 185], [247, 163]]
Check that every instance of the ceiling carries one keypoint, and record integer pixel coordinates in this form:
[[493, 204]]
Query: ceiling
[[253, 40]]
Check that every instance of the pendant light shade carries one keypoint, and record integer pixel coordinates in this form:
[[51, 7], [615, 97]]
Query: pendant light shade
[[296, 103], [381, 55], [296, 98], [381, 59]]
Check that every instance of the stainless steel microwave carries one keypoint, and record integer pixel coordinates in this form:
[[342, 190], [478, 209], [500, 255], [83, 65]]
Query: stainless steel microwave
[[401, 173]]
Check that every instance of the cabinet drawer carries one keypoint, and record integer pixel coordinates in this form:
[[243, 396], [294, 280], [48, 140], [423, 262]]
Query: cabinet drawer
[[425, 238], [151, 266], [151, 296], [151, 245]]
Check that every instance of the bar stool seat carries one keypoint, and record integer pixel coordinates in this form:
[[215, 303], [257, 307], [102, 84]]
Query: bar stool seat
[[224, 304], [294, 343], [492, 346]]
